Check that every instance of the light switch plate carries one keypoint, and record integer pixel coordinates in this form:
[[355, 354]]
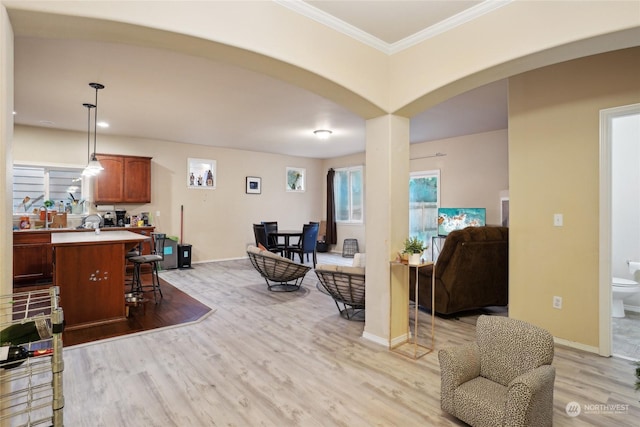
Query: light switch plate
[[557, 220]]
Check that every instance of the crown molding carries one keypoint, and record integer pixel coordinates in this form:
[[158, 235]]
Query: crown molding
[[450, 23], [305, 9], [331, 21]]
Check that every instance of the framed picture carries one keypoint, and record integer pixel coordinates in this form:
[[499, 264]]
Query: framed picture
[[254, 185], [201, 174], [296, 179]]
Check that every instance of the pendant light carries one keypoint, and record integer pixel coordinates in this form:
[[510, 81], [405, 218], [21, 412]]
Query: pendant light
[[87, 171], [94, 165]]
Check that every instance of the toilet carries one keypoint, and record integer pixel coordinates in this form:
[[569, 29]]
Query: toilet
[[623, 288]]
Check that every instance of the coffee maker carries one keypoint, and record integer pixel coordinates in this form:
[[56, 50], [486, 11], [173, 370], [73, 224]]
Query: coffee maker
[[109, 221], [120, 218]]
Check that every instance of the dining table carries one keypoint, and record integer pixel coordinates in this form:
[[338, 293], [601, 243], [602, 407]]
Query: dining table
[[287, 235]]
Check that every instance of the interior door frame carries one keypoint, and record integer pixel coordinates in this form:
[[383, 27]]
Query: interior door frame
[[605, 324]]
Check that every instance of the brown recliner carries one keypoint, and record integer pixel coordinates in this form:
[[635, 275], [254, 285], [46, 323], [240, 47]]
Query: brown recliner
[[472, 271]]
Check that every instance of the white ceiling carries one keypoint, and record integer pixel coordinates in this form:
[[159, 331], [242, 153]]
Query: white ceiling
[[197, 100]]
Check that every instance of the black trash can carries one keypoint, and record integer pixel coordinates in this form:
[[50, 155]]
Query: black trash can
[[184, 256], [322, 247]]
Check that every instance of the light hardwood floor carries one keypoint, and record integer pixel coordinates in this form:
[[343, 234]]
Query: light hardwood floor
[[287, 359]]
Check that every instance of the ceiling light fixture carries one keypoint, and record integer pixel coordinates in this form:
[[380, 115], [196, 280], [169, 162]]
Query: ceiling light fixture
[[94, 165], [322, 133]]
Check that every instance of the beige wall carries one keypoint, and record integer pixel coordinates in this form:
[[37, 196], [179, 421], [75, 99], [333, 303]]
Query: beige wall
[[403, 83], [483, 155], [216, 222], [554, 168], [474, 155], [472, 174], [520, 36]]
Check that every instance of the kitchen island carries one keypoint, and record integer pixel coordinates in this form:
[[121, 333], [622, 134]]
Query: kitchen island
[[32, 252], [89, 269]]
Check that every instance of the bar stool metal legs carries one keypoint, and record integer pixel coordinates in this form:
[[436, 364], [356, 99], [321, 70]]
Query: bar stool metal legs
[[138, 287], [152, 260]]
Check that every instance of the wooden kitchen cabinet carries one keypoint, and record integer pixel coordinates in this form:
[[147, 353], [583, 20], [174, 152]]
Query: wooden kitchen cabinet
[[125, 179], [32, 258]]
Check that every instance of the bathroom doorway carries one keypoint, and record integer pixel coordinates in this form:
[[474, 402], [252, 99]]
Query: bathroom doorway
[[620, 226]]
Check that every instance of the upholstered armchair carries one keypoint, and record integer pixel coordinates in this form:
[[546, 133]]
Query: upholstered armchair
[[505, 378]]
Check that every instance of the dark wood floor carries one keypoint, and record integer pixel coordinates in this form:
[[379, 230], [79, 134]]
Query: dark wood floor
[[174, 308]]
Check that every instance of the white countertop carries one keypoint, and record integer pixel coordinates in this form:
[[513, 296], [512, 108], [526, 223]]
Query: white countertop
[[91, 237]]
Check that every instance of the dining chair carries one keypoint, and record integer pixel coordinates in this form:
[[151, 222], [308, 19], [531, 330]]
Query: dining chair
[[156, 256], [307, 243], [260, 234], [272, 227]]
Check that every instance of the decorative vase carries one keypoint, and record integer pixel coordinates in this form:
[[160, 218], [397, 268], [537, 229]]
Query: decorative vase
[[414, 259]]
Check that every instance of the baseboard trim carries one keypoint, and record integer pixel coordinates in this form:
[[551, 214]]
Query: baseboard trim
[[384, 341], [400, 340], [376, 339], [577, 345]]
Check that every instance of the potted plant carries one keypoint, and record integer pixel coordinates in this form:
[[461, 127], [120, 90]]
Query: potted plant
[[414, 247]]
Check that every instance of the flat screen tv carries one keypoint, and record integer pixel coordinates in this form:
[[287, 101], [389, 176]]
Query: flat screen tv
[[450, 219]]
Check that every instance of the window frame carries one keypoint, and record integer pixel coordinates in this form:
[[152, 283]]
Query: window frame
[[350, 170], [47, 168], [434, 173]]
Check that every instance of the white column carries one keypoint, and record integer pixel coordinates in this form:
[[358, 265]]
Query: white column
[[6, 136], [387, 216]]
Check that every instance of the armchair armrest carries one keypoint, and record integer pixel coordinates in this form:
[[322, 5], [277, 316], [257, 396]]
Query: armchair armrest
[[530, 398], [457, 365]]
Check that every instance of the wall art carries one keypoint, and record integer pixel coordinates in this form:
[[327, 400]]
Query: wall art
[[201, 174]]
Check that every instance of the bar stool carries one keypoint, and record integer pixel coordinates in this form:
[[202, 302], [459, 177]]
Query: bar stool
[[133, 252], [156, 256]]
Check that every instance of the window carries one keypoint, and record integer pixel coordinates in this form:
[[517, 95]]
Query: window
[[348, 194], [424, 199], [44, 183]]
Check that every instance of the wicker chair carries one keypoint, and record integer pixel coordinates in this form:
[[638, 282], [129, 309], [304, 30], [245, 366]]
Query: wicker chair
[[346, 286], [281, 274], [505, 378]]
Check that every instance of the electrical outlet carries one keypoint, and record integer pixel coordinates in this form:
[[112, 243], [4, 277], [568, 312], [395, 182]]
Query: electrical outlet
[[157, 214], [557, 302]]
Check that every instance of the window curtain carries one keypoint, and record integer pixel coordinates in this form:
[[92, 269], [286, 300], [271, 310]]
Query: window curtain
[[332, 234]]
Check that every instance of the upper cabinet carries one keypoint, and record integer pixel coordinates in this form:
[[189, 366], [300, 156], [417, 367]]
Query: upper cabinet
[[125, 179]]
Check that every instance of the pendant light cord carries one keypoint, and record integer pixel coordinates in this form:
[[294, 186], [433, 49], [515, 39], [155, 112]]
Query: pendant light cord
[[96, 86], [89, 107]]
